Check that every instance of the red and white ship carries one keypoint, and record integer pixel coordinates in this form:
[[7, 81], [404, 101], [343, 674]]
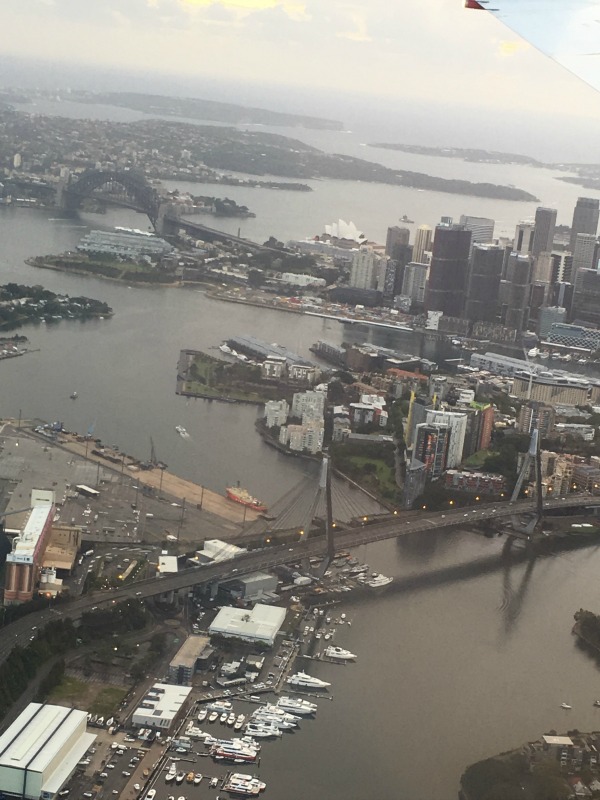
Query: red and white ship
[[244, 498]]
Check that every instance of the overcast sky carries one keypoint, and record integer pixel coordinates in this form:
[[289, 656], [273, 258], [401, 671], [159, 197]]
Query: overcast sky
[[430, 50]]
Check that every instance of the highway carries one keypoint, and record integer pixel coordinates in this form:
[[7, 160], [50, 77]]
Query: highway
[[22, 630]]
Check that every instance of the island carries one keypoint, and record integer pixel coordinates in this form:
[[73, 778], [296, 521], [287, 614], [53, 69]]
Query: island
[[20, 305], [464, 153]]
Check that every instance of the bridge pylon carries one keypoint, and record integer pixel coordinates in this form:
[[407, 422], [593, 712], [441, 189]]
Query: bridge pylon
[[533, 456]]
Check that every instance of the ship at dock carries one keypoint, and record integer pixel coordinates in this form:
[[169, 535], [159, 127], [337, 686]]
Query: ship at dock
[[242, 496]]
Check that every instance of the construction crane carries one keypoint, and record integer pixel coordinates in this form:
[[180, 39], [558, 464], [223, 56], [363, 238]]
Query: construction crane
[[154, 462]]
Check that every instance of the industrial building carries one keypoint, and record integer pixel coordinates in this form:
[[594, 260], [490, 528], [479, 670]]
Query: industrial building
[[191, 656], [24, 562], [160, 706], [260, 586], [262, 624], [40, 751]]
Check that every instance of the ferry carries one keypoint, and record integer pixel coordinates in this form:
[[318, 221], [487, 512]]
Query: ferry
[[182, 431], [339, 653], [242, 496], [307, 681], [296, 705]]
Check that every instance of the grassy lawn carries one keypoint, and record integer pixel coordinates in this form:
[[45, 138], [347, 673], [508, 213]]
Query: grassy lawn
[[96, 698], [382, 480], [212, 378], [477, 459]]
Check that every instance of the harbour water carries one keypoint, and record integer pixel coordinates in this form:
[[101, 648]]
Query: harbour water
[[465, 655]]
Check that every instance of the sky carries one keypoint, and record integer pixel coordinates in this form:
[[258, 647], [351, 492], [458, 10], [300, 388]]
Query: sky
[[414, 51]]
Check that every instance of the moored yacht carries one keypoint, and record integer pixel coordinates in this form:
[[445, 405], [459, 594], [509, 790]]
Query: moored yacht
[[339, 653], [297, 705], [307, 681]]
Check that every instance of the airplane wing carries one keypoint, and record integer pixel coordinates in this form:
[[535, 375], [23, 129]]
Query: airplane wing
[[566, 30]]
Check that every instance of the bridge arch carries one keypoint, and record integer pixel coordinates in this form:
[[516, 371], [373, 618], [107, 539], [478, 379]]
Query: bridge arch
[[141, 196]]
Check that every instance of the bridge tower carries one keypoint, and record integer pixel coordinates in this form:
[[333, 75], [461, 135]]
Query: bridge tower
[[534, 456]]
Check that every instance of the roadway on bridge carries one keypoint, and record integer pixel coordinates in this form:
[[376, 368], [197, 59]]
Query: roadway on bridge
[[21, 631]]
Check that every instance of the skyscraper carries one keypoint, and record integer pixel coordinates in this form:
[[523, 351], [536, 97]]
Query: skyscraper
[[585, 255], [515, 313], [422, 243], [543, 236], [448, 270], [482, 229], [396, 236], [415, 281], [485, 272], [585, 219], [431, 447], [523, 237], [365, 269]]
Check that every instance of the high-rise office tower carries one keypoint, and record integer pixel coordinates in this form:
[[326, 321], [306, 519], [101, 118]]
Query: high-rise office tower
[[422, 243], [585, 254], [515, 314], [365, 269], [548, 316], [585, 219], [586, 298], [396, 237], [562, 295], [523, 238], [485, 272], [545, 225], [482, 229], [448, 271], [415, 281]]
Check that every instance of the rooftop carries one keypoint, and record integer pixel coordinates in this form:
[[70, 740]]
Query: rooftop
[[25, 544], [190, 651], [263, 622], [164, 706]]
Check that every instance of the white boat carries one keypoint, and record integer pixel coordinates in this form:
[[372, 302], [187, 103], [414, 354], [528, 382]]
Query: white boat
[[73, 395], [533, 353], [182, 431], [262, 730], [379, 581], [297, 705], [224, 348], [213, 716], [339, 653], [180, 777], [246, 785], [307, 681], [231, 720], [597, 703], [202, 715], [197, 779], [223, 718], [220, 706], [565, 705], [239, 723], [213, 782], [273, 719]]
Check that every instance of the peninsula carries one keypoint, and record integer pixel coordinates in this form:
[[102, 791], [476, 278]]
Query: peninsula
[[463, 153]]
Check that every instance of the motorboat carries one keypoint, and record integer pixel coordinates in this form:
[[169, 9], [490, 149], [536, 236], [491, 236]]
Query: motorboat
[[565, 706], [202, 715], [197, 779], [179, 778], [73, 396], [247, 785], [223, 718], [220, 706], [190, 777], [597, 703], [213, 716], [297, 705], [339, 653], [239, 723], [307, 681], [231, 720], [262, 730], [379, 581], [182, 431]]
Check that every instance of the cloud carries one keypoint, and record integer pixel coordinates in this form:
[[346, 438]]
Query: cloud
[[294, 9], [359, 30]]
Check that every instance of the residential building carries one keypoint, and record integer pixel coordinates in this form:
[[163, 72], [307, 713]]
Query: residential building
[[415, 281], [536, 416], [585, 219], [457, 425], [585, 432], [474, 482], [306, 437], [431, 447], [273, 368], [365, 269], [309, 404], [276, 413], [449, 270]]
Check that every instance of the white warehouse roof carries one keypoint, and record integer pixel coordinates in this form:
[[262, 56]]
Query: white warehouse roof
[[160, 705], [40, 750], [262, 624]]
